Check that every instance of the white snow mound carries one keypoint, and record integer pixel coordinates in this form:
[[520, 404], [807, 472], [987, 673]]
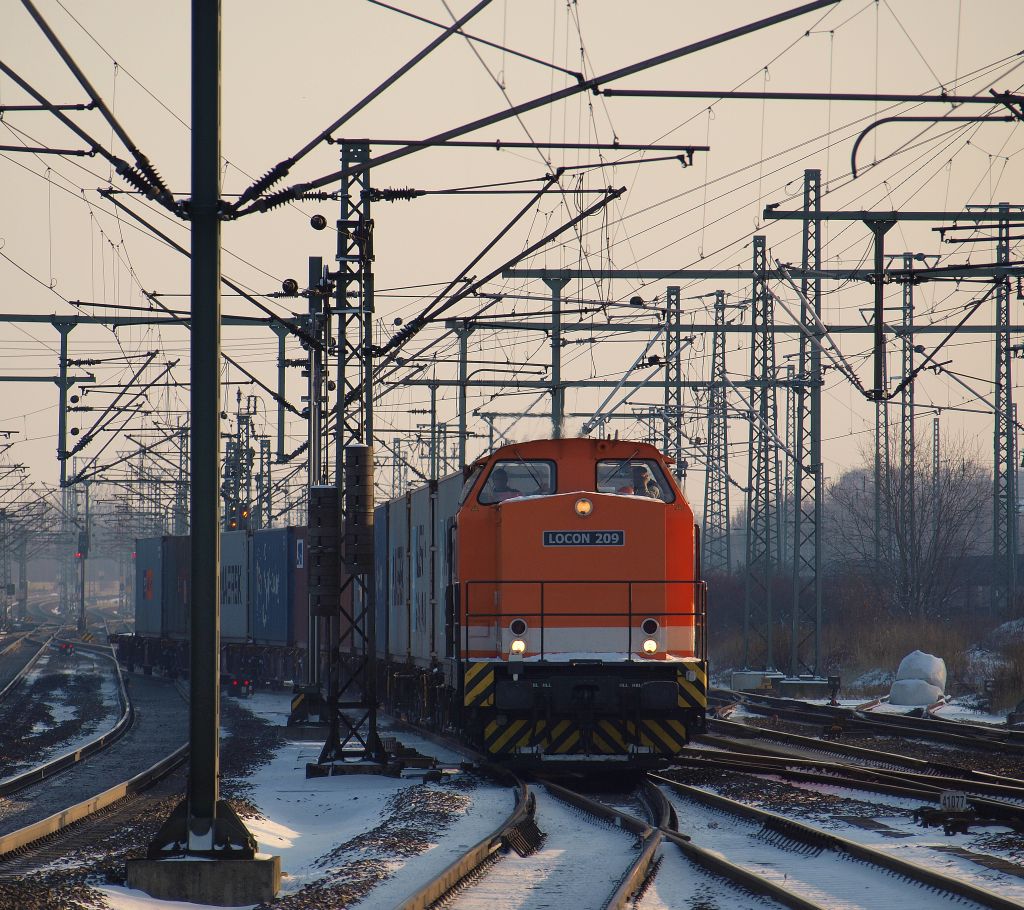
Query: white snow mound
[[918, 665], [914, 692]]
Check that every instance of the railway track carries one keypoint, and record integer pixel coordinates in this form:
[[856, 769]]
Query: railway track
[[868, 763], [157, 727], [60, 743], [753, 851], [841, 719], [815, 867], [18, 658]]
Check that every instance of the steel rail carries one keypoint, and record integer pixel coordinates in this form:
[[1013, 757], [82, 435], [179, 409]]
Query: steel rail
[[875, 780], [831, 747], [24, 671], [25, 837], [931, 728], [650, 835], [820, 838], [69, 759], [667, 828], [511, 831]]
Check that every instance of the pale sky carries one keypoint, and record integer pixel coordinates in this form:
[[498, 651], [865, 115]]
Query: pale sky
[[287, 75]]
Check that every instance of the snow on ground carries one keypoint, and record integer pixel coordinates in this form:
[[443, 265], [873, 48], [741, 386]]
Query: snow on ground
[[62, 710], [683, 885], [893, 831], [305, 820], [827, 879], [578, 865], [129, 899]]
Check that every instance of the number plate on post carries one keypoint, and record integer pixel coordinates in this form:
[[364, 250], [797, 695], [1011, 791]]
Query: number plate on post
[[588, 538]]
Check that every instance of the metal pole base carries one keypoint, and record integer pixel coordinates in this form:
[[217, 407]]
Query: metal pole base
[[224, 837]]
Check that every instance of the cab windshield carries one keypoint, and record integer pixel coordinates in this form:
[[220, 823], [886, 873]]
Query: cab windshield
[[634, 477], [509, 479]]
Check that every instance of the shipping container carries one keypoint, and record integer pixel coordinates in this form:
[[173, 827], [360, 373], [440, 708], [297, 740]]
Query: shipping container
[[234, 585], [398, 589], [272, 585], [381, 577], [421, 528], [148, 585], [176, 605], [446, 507]]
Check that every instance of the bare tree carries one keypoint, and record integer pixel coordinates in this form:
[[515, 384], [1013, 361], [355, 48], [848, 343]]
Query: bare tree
[[915, 569]]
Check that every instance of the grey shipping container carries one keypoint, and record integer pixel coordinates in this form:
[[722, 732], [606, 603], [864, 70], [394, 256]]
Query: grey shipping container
[[421, 564], [176, 604], [148, 585], [234, 586], [381, 577], [273, 584], [398, 589]]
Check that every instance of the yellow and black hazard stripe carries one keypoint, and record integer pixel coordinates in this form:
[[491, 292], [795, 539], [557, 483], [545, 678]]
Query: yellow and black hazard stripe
[[667, 737], [478, 685], [566, 737], [88, 636], [297, 701], [692, 693], [560, 737]]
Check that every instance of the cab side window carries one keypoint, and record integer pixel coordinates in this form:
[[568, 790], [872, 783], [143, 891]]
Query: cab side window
[[634, 477], [511, 479]]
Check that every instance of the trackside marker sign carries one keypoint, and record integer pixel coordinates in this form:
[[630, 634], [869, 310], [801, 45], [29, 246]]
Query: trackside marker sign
[[584, 538]]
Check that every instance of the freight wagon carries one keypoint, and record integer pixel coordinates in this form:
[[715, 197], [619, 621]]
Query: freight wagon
[[264, 607]]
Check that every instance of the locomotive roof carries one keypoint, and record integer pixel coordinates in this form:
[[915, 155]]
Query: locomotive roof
[[577, 447]]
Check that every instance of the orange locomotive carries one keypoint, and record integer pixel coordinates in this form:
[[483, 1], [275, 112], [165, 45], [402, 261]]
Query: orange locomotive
[[551, 609]]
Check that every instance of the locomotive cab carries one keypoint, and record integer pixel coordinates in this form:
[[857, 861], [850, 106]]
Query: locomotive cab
[[581, 614]]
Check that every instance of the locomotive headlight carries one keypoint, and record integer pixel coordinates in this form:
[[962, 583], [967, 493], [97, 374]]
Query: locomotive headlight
[[518, 648], [584, 507], [650, 646]]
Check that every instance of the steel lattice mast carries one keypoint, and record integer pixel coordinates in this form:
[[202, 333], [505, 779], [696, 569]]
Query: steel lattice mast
[[351, 680], [805, 649], [763, 473], [673, 431], [1004, 525], [906, 509], [716, 551]]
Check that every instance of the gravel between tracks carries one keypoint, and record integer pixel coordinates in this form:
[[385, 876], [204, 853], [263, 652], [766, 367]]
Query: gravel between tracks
[[340, 839], [59, 706], [881, 821], [161, 725], [985, 760], [12, 662]]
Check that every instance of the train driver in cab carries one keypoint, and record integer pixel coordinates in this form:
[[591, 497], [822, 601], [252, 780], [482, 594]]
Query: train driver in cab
[[644, 484], [498, 489]]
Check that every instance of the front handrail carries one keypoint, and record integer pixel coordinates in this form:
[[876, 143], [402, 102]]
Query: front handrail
[[698, 612]]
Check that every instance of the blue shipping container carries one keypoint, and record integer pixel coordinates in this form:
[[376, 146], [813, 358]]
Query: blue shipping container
[[272, 586]]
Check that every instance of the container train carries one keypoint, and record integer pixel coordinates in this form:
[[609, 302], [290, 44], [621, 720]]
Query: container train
[[546, 605], [263, 605]]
